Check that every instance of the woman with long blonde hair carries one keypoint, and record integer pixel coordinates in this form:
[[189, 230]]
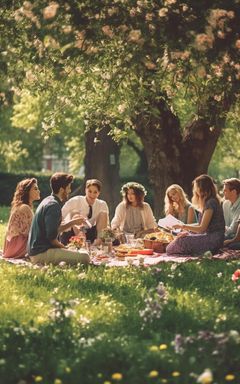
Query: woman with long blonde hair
[[208, 234], [20, 220], [178, 205]]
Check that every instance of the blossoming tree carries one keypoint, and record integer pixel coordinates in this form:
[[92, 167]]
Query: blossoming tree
[[167, 69]]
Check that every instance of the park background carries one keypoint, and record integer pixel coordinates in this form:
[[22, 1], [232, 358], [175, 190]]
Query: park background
[[124, 89]]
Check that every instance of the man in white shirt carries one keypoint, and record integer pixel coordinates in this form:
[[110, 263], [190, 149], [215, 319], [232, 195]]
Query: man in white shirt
[[231, 206], [90, 207]]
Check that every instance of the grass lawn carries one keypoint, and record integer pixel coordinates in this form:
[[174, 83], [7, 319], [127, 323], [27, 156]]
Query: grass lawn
[[164, 324]]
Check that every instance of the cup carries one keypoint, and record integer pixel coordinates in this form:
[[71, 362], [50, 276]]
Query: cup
[[129, 238], [107, 246]]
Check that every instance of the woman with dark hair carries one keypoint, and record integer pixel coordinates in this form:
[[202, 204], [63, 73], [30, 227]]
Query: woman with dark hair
[[208, 234], [133, 215], [20, 218]]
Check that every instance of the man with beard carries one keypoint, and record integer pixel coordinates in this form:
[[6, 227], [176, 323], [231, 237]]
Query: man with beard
[[43, 244]]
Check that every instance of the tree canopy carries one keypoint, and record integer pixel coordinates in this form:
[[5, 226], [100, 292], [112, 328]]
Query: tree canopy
[[167, 69]]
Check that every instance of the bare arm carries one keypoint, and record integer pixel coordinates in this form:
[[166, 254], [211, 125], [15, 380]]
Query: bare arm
[[199, 228], [76, 221], [191, 215]]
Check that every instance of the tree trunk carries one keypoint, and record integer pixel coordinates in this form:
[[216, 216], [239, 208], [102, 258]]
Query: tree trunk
[[102, 162], [173, 157]]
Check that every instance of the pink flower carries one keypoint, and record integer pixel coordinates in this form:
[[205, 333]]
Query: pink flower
[[237, 45], [50, 11], [236, 275]]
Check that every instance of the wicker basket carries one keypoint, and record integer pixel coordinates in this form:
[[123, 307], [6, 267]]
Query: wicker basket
[[156, 245]]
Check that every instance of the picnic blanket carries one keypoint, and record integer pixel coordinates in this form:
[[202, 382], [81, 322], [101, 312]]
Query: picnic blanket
[[156, 258]]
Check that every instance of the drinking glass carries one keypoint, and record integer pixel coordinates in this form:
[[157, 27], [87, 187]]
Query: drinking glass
[[129, 238]]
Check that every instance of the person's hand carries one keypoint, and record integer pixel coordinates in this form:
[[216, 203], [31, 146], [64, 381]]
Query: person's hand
[[78, 220], [177, 226], [226, 242]]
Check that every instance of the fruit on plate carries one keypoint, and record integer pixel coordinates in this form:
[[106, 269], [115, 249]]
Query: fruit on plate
[[160, 236]]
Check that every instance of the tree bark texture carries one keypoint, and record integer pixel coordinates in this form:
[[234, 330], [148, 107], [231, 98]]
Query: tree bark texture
[[102, 163], [173, 157]]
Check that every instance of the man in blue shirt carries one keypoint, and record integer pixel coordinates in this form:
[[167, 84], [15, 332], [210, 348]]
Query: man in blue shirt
[[43, 244]]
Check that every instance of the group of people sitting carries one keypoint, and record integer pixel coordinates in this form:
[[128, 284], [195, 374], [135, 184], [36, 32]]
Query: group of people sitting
[[206, 223]]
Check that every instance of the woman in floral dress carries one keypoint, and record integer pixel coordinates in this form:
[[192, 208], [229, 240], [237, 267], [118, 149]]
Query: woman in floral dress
[[20, 218]]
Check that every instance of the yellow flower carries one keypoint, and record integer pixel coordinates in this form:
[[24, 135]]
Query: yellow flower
[[117, 376], [107, 382], [164, 381], [206, 377], [153, 348], [38, 379], [68, 370], [162, 347], [57, 381], [176, 374], [153, 374], [229, 377]]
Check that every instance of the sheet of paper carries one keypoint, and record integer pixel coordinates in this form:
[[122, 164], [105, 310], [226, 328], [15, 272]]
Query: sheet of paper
[[168, 221]]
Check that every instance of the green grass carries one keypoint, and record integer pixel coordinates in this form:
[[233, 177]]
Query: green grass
[[4, 214], [77, 325]]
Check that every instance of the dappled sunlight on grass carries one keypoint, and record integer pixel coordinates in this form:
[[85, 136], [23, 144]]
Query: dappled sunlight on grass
[[126, 325]]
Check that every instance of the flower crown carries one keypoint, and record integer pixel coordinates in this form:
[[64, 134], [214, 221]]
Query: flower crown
[[133, 185]]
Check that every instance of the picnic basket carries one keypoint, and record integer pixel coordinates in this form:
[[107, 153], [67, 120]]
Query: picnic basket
[[157, 241], [156, 245]]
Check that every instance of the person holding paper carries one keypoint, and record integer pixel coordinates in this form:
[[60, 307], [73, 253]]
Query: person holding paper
[[94, 210], [208, 234], [133, 215], [177, 205]]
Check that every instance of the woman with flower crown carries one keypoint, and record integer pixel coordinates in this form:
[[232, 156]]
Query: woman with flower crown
[[20, 220], [133, 214]]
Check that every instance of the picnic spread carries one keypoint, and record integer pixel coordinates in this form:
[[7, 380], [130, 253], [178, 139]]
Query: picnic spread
[[148, 251]]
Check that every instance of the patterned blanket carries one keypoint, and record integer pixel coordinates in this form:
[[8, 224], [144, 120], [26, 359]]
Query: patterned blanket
[[156, 258]]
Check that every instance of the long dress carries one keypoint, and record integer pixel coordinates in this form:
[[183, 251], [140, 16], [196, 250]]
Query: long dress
[[197, 244], [19, 223]]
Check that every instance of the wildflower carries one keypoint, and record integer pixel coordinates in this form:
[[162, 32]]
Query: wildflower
[[38, 379], [107, 382], [117, 376], [164, 381], [68, 370], [236, 275], [162, 347], [153, 374], [229, 377], [206, 377], [219, 274], [234, 335], [176, 374], [57, 381], [153, 348]]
